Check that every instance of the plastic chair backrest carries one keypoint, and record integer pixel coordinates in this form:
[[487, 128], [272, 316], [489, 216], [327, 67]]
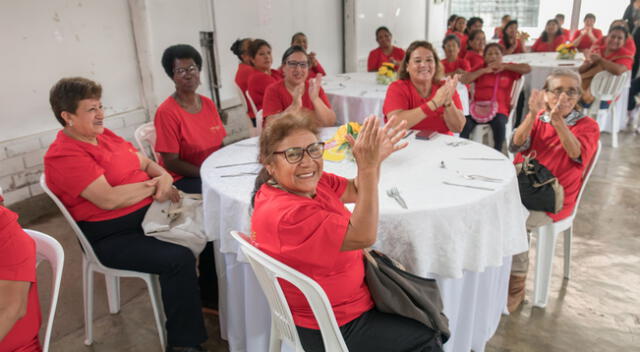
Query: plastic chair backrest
[[243, 99], [607, 86], [586, 178], [47, 248], [257, 113], [145, 136], [268, 271]]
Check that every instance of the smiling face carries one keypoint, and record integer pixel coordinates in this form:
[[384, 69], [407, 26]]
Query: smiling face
[[477, 25], [294, 72], [478, 42], [451, 49], [422, 65], [492, 55], [562, 85], [303, 176], [263, 60], [512, 30], [383, 38], [551, 28], [461, 22], [300, 40], [615, 40], [589, 22], [186, 75], [87, 120]]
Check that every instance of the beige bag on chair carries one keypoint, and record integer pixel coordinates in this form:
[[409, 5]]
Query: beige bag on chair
[[179, 223]]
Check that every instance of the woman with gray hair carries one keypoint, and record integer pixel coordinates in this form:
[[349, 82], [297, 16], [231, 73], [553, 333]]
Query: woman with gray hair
[[565, 142]]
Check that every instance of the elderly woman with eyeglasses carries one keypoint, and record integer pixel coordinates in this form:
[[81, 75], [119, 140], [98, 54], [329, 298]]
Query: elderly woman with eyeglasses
[[296, 94], [565, 142], [300, 219]]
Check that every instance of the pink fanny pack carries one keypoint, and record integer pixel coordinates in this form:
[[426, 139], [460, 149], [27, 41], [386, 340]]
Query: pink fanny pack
[[485, 110]]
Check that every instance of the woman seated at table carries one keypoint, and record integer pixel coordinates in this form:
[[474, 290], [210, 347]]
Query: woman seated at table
[[240, 48], [107, 186], [550, 39], [497, 31], [296, 94], [475, 49], [505, 74], [263, 75], [565, 142], [629, 44], [459, 26], [584, 38], [421, 97], [299, 218], [385, 52], [452, 63], [19, 305], [512, 40], [613, 58], [300, 39]]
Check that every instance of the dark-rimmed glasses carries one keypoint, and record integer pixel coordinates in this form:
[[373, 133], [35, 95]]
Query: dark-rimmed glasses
[[181, 71], [302, 64], [571, 92], [295, 154]]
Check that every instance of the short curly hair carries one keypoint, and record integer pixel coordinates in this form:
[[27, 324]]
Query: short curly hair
[[67, 92], [179, 51]]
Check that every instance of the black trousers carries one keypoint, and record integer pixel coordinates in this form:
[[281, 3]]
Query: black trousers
[[498, 126], [634, 89], [121, 244], [208, 279], [377, 331]]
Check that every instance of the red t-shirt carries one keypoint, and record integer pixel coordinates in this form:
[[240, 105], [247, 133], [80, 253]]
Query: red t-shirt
[[519, 49], [462, 64], [484, 86], [476, 60], [377, 57], [497, 32], [566, 33], [192, 136], [585, 42], [277, 98], [18, 263], [317, 69], [242, 79], [70, 166], [601, 44], [463, 44], [402, 95], [540, 46], [307, 235], [550, 153], [258, 83]]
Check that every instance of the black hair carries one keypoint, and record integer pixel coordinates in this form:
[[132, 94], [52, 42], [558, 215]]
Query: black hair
[[451, 19], [236, 47], [293, 38], [382, 28], [505, 36], [255, 46], [620, 28], [470, 22], [473, 36], [545, 36], [492, 45], [179, 51], [450, 37], [292, 50], [589, 15], [560, 15], [505, 17]]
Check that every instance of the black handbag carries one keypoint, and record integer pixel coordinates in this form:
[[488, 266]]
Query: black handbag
[[397, 291], [539, 188]]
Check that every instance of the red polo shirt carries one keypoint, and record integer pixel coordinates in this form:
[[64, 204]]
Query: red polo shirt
[[585, 42], [550, 153], [277, 98], [540, 46], [476, 60], [484, 86], [18, 263], [377, 57], [258, 83], [402, 95], [307, 235], [518, 50], [462, 64], [192, 136], [70, 166]]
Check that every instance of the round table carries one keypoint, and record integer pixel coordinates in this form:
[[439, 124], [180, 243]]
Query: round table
[[463, 237], [356, 95]]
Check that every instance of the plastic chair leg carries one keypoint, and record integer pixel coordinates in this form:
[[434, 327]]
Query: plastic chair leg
[[544, 264], [568, 237], [614, 125], [87, 295], [113, 293], [158, 312], [275, 343]]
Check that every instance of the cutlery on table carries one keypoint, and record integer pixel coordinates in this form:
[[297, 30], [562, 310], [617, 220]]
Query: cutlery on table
[[236, 164], [468, 186], [240, 174], [478, 177], [495, 159], [395, 194]]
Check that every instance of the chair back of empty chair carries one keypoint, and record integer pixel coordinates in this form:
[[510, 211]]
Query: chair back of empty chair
[[145, 136]]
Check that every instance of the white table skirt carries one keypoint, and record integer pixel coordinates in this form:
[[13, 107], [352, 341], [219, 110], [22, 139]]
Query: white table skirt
[[354, 96]]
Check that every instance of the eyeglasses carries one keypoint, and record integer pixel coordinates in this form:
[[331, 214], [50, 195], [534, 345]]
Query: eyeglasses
[[181, 71], [295, 154], [571, 92], [302, 64]]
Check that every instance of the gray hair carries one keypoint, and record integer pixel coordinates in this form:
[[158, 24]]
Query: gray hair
[[563, 72]]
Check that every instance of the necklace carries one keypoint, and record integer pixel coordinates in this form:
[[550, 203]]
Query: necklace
[[271, 182]]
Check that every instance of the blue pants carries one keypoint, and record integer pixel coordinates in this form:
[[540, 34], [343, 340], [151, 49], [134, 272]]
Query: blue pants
[[498, 126]]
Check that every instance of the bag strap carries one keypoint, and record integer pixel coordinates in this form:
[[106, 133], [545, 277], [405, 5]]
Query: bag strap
[[369, 258]]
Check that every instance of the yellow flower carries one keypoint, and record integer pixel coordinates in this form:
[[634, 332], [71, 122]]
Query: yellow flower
[[383, 70]]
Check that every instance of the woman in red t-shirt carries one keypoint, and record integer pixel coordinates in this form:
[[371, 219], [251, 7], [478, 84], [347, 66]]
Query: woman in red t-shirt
[[421, 97], [453, 64], [475, 49], [485, 79], [107, 186], [385, 52], [19, 302], [584, 38], [497, 31], [550, 39], [263, 75], [300, 39], [299, 219], [240, 48], [459, 26], [296, 94], [512, 40]]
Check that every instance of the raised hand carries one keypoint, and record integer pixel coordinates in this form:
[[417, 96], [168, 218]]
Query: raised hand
[[296, 105], [312, 59], [536, 101], [561, 109], [314, 87], [366, 149]]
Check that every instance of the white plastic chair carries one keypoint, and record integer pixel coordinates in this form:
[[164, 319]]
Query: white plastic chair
[[243, 99], [484, 129], [268, 271], [47, 248], [606, 86], [257, 113], [91, 264], [145, 136], [545, 245]]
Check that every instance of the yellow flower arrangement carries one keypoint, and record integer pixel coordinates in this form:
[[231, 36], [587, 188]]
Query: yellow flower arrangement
[[566, 51], [386, 73], [337, 147]]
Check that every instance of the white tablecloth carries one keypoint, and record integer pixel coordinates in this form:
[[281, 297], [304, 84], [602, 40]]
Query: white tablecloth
[[354, 96], [463, 237]]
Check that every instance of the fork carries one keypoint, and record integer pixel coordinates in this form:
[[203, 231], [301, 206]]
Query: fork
[[240, 174], [479, 177], [395, 194]]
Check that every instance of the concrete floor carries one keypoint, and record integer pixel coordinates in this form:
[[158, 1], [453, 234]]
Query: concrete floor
[[597, 310]]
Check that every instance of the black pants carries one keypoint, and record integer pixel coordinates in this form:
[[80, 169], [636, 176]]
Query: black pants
[[377, 331], [498, 126], [208, 279], [634, 89], [121, 244]]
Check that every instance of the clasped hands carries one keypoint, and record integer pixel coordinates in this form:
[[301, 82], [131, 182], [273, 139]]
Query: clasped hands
[[163, 188], [444, 94], [314, 93]]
